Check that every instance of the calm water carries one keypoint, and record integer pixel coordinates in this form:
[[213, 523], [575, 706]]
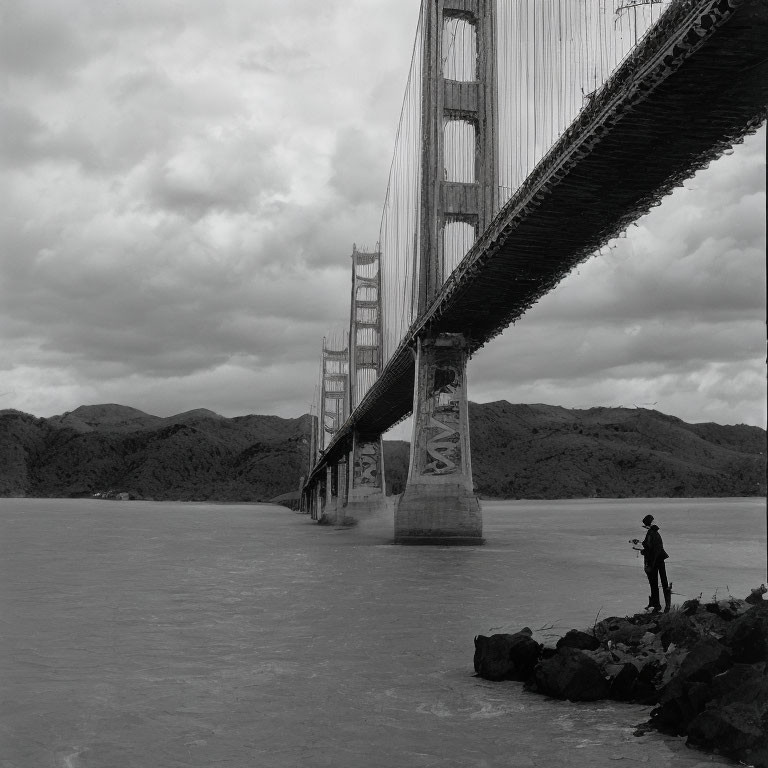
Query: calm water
[[155, 635]]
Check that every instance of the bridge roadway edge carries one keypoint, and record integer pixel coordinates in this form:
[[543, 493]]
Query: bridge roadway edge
[[694, 93]]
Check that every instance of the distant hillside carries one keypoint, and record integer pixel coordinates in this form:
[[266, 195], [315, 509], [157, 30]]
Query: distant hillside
[[545, 452], [518, 451], [197, 455]]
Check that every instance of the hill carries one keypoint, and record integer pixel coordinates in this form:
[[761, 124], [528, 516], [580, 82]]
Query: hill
[[545, 452], [197, 455], [104, 418], [518, 451]]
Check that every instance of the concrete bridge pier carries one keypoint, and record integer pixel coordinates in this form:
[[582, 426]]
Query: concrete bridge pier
[[318, 500], [335, 508], [342, 517], [439, 505], [328, 509], [367, 491]]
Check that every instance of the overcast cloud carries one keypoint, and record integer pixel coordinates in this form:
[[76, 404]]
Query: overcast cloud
[[182, 182]]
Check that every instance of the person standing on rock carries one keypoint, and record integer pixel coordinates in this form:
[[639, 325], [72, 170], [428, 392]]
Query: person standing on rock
[[653, 561]]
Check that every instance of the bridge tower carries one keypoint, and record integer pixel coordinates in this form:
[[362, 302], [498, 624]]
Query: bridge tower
[[439, 504], [366, 494], [333, 411], [308, 493]]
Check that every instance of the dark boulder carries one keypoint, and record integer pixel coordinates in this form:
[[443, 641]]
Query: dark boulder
[[682, 634], [652, 671], [675, 714], [582, 641], [755, 597], [736, 724], [728, 609], [645, 691], [689, 690], [704, 660], [747, 636], [626, 629], [506, 657], [623, 683], [689, 607], [570, 674], [736, 679]]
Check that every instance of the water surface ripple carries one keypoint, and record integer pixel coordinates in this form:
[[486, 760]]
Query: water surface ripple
[[157, 635]]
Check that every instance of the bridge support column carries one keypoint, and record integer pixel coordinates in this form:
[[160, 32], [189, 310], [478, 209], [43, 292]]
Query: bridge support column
[[439, 505], [330, 498], [342, 494], [366, 496], [335, 496], [314, 496], [318, 500]]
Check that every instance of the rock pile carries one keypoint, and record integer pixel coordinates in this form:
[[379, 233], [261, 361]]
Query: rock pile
[[702, 666]]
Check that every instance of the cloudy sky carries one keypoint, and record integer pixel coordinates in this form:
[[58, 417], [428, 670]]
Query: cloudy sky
[[182, 182]]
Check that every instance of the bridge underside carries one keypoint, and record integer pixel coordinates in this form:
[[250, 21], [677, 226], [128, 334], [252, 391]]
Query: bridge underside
[[671, 108]]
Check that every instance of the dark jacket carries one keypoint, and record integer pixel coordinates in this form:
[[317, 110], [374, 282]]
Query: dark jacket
[[653, 548]]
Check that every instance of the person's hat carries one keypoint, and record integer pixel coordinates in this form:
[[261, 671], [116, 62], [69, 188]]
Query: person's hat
[[648, 519]]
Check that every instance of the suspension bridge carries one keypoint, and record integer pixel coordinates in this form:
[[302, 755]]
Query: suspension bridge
[[532, 132]]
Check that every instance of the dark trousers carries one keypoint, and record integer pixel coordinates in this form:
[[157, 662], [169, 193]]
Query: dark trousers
[[657, 572]]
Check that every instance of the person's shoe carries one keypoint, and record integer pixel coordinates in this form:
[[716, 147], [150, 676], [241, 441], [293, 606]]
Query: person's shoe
[[650, 604], [667, 598]]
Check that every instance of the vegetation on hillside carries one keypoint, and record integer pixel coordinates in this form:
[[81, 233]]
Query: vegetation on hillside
[[518, 451], [196, 456]]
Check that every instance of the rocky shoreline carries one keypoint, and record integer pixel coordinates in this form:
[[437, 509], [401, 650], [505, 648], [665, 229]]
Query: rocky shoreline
[[701, 666]]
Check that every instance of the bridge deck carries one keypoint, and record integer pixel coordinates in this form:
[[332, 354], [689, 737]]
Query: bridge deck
[[675, 105]]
